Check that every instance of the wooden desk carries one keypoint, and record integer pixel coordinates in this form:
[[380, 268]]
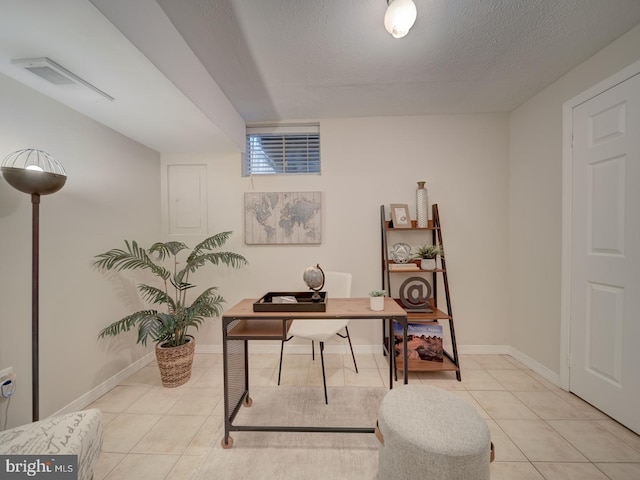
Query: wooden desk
[[241, 324]]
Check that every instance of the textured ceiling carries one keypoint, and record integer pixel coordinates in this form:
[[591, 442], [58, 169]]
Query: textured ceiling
[[187, 74], [147, 107], [293, 59]]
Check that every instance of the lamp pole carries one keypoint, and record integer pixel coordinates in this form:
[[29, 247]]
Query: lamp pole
[[37, 173], [35, 306]]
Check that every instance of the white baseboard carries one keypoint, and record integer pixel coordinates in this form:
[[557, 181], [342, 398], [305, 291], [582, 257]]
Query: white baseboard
[[540, 369], [95, 393], [274, 348], [260, 346]]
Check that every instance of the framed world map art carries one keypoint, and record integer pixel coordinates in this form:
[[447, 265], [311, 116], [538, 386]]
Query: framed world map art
[[282, 218]]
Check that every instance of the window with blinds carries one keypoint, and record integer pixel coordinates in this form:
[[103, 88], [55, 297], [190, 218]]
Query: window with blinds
[[282, 150]]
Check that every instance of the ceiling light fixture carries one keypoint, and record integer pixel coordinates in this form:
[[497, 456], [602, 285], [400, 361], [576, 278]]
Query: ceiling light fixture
[[400, 17], [55, 73]]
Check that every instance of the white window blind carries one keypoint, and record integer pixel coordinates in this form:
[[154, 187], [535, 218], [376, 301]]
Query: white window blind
[[284, 150]]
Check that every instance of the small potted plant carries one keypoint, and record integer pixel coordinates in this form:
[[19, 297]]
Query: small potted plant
[[376, 300], [427, 255]]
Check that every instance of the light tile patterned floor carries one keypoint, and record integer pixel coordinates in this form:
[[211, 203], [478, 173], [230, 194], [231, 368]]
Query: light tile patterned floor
[[539, 431]]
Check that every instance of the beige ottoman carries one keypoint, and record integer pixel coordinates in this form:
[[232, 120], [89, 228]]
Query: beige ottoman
[[429, 433]]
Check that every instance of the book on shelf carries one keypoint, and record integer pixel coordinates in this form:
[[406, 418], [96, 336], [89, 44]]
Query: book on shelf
[[403, 266], [424, 341]]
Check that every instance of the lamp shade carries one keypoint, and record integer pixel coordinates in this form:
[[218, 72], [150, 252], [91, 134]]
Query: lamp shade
[[34, 172], [400, 17]]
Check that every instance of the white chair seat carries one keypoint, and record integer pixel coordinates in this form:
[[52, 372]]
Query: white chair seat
[[318, 330], [338, 286]]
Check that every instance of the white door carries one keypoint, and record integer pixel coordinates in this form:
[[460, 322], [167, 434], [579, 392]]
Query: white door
[[605, 263]]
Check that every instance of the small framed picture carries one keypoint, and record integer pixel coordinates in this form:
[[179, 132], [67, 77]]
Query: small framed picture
[[400, 215]]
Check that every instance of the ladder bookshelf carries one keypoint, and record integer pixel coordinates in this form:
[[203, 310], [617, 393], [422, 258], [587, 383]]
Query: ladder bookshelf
[[392, 278]]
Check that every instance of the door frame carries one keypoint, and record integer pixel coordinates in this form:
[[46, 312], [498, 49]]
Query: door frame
[[567, 209]]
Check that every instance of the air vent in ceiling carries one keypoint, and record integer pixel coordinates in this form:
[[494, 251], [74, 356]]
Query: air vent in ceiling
[[56, 74]]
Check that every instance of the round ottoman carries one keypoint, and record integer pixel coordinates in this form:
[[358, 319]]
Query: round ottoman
[[429, 433]]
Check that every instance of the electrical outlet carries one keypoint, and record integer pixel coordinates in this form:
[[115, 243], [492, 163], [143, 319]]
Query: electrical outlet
[[7, 382], [6, 374]]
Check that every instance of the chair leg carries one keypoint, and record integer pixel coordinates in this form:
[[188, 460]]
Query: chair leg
[[280, 367], [313, 350], [351, 347], [324, 378]]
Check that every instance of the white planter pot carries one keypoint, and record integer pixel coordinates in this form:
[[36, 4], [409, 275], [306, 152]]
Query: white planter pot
[[376, 303], [428, 263]]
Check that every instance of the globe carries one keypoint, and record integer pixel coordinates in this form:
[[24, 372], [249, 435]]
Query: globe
[[314, 278]]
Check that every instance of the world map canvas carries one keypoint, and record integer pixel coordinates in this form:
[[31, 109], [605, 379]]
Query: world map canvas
[[282, 218]]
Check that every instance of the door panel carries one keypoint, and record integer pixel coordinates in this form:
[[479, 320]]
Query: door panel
[[608, 124], [604, 332], [605, 263], [606, 206]]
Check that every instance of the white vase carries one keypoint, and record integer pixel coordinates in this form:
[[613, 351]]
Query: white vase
[[428, 263], [422, 206], [376, 303]]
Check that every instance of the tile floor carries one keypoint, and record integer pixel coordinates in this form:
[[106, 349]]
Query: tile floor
[[539, 431]]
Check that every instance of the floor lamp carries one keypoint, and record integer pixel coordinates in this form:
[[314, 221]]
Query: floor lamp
[[37, 173]]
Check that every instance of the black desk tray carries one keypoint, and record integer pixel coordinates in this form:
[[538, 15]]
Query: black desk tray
[[304, 302]]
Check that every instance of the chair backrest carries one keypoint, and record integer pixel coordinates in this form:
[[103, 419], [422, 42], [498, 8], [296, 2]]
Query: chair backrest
[[337, 284]]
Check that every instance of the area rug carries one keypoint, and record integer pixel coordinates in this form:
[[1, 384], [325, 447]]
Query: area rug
[[300, 456]]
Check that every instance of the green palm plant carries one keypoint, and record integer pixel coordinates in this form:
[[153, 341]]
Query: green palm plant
[[169, 328]]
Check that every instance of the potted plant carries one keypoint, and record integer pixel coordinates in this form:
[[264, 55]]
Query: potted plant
[[376, 300], [428, 253], [169, 328]]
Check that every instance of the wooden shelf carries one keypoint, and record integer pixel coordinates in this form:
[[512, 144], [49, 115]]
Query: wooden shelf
[[426, 366], [417, 317], [414, 226], [416, 270], [427, 317], [259, 330], [446, 365]]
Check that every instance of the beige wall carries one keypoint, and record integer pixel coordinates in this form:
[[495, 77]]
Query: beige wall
[[112, 191], [496, 178], [535, 203], [367, 162]]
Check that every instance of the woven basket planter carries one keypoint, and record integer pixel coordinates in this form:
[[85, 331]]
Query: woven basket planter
[[175, 363]]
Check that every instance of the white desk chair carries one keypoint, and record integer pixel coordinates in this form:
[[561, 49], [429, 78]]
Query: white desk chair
[[337, 285]]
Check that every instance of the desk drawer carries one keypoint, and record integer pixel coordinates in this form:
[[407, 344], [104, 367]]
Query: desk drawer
[[259, 330]]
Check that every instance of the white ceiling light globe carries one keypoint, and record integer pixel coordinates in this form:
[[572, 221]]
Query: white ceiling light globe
[[400, 17]]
